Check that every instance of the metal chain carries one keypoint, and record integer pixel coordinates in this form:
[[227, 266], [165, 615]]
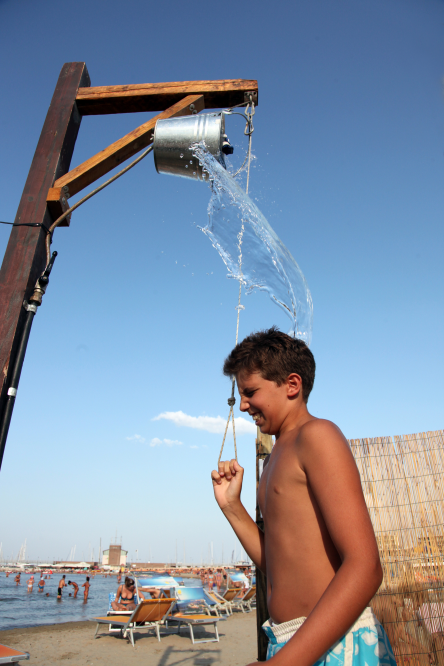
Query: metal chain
[[249, 129]]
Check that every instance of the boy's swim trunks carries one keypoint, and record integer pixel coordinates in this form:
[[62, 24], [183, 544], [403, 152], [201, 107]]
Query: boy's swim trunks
[[365, 644]]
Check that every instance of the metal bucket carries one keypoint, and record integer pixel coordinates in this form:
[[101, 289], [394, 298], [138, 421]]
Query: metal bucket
[[174, 136]]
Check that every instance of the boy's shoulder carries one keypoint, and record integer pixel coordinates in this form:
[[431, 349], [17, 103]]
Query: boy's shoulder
[[319, 437]]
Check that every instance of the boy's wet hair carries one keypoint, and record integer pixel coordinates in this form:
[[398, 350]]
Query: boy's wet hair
[[275, 355]]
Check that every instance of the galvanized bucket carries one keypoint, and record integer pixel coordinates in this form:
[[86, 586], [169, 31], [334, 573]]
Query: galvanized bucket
[[174, 136]]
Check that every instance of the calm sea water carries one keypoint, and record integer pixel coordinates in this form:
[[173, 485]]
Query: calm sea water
[[18, 608]]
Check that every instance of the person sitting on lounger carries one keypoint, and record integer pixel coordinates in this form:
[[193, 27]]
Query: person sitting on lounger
[[125, 596]]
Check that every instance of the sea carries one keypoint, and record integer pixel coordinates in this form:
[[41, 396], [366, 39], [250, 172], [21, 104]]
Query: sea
[[20, 608]]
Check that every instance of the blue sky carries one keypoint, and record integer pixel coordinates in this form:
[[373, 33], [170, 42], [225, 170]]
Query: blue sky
[[139, 314]]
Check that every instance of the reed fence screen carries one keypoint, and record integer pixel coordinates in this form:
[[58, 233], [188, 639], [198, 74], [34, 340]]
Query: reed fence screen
[[402, 480]]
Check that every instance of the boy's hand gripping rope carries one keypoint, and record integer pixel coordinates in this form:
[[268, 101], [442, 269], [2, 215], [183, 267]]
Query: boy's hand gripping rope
[[249, 129]]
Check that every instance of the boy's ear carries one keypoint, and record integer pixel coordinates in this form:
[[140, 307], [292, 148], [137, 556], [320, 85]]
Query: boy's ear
[[294, 385]]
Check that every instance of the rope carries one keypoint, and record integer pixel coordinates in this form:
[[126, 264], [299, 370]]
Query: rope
[[249, 129]]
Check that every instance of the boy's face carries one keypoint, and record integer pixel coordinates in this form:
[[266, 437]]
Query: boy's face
[[264, 400]]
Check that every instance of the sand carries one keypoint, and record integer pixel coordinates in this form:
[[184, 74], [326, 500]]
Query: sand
[[73, 644]]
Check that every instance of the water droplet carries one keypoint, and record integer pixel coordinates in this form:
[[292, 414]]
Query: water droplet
[[194, 173], [186, 166], [181, 155], [191, 161]]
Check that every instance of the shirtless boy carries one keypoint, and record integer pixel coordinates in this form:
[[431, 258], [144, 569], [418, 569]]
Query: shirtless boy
[[62, 584], [318, 547]]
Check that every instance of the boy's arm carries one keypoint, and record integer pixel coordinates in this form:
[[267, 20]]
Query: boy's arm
[[227, 486], [334, 480]]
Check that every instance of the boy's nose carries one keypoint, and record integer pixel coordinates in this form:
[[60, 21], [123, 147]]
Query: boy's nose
[[244, 404]]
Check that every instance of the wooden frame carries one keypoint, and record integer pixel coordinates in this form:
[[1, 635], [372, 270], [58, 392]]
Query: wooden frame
[[50, 183]]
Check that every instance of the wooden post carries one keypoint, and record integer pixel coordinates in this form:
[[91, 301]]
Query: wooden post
[[264, 444], [25, 255]]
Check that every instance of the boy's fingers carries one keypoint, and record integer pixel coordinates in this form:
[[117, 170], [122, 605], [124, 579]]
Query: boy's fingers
[[227, 470], [236, 466], [215, 477]]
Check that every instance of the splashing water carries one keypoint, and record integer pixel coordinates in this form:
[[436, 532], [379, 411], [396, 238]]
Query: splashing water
[[250, 249]]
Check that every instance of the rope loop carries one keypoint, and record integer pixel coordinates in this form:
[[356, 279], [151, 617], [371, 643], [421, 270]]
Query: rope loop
[[249, 129]]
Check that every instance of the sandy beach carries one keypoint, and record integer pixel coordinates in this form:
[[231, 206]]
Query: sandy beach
[[73, 643]]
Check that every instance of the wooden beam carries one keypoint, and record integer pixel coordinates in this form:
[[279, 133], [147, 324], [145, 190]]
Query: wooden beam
[[119, 151], [264, 446], [158, 96], [25, 255]]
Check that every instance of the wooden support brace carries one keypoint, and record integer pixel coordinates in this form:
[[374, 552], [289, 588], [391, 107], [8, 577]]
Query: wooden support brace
[[155, 96], [57, 204], [119, 151]]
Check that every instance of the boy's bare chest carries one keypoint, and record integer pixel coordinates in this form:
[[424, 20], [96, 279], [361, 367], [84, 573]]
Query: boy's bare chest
[[283, 486]]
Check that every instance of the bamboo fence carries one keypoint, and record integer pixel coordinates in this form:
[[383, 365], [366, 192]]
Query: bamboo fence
[[402, 480]]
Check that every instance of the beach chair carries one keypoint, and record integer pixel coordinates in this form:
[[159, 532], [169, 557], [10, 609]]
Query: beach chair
[[219, 603], [196, 620], [194, 600], [229, 596], [149, 614], [244, 603], [11, 656], [193, 609]]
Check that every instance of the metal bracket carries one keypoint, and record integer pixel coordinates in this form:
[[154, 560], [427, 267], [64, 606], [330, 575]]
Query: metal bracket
[[250, 93]]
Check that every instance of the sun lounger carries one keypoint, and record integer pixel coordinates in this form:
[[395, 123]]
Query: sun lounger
[[149, 614], [219, 603], [9, 655], [194, 600], [229, 596], [196, 620], [244, 603]]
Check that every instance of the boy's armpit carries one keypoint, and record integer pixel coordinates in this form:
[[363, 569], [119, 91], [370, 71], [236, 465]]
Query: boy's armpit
[[266, 460]]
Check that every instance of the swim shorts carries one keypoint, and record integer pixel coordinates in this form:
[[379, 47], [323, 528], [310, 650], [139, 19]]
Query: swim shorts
[[59, 591], [365, 644]]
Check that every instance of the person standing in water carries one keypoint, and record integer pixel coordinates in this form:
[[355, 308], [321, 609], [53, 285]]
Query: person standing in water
[[30, 583], [75, 586], [41, 584], [62, 584], [86, 585], [17, 580]]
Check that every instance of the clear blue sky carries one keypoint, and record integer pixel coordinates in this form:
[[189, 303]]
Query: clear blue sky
[[139, 314]]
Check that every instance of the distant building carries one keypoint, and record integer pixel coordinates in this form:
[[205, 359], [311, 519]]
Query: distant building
[[115, 556]]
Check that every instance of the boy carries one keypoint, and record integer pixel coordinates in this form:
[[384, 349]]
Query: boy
[[318, 548], [62, 584]]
